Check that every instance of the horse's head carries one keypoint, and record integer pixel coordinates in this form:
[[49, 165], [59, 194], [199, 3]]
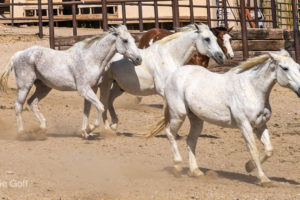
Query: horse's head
[[287, 70], [206, 43], [125, 44], [224, 40]]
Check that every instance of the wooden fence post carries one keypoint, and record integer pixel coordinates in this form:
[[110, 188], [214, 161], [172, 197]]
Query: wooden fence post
[[51, 24], [104, 15], [192, 17], [74, 22], [12, 12], [156, 14], [274, 18], [208, 13], [40, 18], [296, 30], [244, 30], [175, 14], [141, 26]]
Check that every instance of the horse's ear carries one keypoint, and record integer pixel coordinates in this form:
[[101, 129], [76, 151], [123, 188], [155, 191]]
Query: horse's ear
[[214, 31], [273, 56], [197, 28], [230, 29], [113, 30], [284, 52]]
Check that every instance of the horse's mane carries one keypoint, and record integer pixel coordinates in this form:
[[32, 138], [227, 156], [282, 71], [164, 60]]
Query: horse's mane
[[250, 63], [179, 32], [89, 41]]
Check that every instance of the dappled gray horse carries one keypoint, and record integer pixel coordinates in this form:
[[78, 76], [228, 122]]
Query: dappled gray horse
[[79, 68]]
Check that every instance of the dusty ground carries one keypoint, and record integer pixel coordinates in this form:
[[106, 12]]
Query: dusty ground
[[121, 166]]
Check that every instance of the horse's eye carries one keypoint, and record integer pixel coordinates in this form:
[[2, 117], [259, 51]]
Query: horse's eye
[[207, 39], [284, 68], [125, 41]]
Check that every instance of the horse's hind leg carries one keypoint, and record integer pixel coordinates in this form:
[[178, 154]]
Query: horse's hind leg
[[114, 93], [105, 89], [263, 134], [195, 130], [41, 91], [21, 97], [86, 112], [24, 87]]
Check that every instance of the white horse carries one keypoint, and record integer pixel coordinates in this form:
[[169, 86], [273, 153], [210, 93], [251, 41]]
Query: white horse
[[159, 60], [78, 68], [236, 99]]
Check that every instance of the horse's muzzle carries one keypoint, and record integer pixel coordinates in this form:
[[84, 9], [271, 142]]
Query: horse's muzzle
[[218, 57], [138, 60]]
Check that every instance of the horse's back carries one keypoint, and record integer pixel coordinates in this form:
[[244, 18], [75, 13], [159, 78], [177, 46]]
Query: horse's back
[[154, 35]]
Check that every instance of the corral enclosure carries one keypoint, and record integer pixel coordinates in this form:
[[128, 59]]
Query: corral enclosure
[[122, 166], [144, 14]]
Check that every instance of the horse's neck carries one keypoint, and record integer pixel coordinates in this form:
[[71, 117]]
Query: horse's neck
[[181, 49], [104, 50], [262, 78]]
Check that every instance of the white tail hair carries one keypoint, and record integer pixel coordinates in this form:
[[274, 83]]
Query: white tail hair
[[5, 75]]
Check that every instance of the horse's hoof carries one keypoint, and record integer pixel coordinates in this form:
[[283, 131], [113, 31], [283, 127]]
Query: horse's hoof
[[267, 184], [195, 173], [114, 127], [91, 128], [250, 166], [91, 136]]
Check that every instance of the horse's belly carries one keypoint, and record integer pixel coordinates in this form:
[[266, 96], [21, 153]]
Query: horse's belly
[[211, 112], [134, 80], [58, 82], [137, 88]]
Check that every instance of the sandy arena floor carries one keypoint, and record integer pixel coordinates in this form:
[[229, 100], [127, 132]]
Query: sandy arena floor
[[122, 166]]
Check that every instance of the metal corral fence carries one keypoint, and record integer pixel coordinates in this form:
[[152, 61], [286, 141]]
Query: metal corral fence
[[246, 14]]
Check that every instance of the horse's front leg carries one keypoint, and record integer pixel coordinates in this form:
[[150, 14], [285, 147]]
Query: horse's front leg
[[195, 130], [247, 132], [90, 98], [263, 134]]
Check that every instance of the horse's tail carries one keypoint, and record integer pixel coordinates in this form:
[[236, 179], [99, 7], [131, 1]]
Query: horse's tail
[[5, 75], [163, 122]]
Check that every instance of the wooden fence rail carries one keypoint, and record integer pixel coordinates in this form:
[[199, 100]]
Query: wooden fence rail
[[176, 18]]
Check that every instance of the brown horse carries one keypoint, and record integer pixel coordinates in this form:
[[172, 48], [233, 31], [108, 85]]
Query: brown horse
[[197, 59]]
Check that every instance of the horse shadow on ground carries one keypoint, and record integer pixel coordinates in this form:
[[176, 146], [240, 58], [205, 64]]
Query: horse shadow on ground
[[179, 137], [96, 135], [246, 178], [158, 106], [126, 134]]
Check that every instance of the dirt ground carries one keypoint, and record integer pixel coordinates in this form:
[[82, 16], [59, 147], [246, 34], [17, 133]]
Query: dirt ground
[[122, 166]]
